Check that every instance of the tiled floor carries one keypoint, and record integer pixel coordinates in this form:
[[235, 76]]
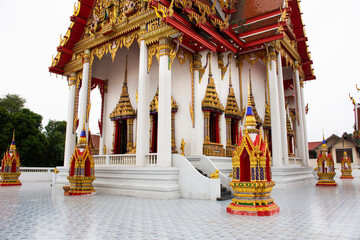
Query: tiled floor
[[38, 211]]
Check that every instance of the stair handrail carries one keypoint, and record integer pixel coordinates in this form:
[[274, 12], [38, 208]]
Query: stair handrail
[[208, 167]]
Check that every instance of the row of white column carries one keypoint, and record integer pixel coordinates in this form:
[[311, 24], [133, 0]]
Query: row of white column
[[278, 114], [164, 109]]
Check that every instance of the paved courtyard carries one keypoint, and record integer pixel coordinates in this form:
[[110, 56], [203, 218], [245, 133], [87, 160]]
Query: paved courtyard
[[38, 211]]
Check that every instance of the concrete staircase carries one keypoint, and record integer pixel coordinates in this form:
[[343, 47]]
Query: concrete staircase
[[207, 165], [149, 182]]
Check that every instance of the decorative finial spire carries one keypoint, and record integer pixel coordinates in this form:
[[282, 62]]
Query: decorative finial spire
[[249, 99], [230, 83], [209, 56], [12, 145], [324, 146], [82, 139], [126, 66], [250, 119]]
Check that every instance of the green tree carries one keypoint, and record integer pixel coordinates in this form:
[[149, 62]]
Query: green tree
[[55, 134], [30, 142], [36, 148], [12, 102]]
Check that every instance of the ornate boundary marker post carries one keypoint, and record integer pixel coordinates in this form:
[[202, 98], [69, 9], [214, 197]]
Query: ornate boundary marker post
[[10, 166], [252, 181]]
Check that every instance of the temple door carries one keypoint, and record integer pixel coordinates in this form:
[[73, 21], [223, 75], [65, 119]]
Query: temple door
[[121, 137], [214, 127], [234, 131], [154, 133]]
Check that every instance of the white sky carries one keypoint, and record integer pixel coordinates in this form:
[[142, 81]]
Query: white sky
[[30, 33]]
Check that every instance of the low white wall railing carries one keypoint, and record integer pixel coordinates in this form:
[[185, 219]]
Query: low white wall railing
[[295, 161], [116, 159], [36, 174], [36, 169], [151, 159]]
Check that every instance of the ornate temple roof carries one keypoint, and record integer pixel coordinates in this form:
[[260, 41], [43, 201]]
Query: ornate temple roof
[[154, 104], [123, 108], [267, 117], [211, 100], [232, 108], [235, 26]]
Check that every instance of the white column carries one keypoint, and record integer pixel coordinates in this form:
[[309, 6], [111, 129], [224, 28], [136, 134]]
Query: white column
[[164, 111], [197, 133], [304, 125], [104, 120], [143, 118], [70, 133], [275, 112], [84, 92], [299, 122], [283, 131]]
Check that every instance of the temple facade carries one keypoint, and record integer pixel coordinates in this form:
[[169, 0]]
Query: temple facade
[[169, 70]]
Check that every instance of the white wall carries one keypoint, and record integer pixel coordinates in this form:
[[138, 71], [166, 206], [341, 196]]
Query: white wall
[[181, 89]]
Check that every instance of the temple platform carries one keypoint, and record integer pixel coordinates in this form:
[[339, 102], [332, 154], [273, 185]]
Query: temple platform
[[150, 182], [38, 211]]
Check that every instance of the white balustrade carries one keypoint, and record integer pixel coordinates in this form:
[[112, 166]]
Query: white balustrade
[[122, 159], [100, 159], [295, 161], [151, 158], [36, 169]]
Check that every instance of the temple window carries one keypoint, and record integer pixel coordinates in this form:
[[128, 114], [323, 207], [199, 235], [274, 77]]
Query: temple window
[[212, 109], [154, 123], [123, 117]]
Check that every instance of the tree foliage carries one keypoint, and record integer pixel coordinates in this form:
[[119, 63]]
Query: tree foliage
[[12, 103], [36, 148]]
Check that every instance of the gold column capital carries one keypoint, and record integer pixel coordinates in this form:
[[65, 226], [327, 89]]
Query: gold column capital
[[165, 47], [197, 62], [72, 79], [272, 54], [86, 57]]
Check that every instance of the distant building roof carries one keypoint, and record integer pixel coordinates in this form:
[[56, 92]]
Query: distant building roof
[[313, 145]]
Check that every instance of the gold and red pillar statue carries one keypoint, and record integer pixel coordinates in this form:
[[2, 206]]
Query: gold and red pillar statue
[[10, 166], [325, 167], [346, 167], [81, 170], [252, 180]]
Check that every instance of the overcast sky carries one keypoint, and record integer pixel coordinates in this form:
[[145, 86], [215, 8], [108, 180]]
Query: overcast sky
[[30, 33]]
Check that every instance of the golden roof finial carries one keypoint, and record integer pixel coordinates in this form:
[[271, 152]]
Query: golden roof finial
[[209, 57], [249, 99], [82, 138], [126, 66], [12, 145], [324, 146], [230, 83]]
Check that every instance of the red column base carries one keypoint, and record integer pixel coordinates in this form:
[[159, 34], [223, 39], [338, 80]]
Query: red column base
[[347, 177], [253, 211], [327, 184], [10, 184]]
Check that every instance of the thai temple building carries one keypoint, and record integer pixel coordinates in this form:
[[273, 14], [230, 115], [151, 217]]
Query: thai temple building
[[252, 179], [325, 167], [10, 166], [171, 75]]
